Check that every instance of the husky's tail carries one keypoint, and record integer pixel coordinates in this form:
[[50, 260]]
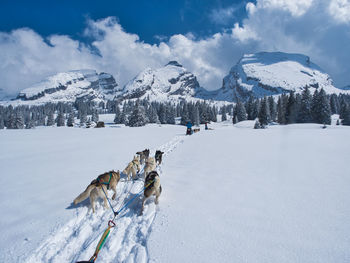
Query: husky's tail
[[84, 194]]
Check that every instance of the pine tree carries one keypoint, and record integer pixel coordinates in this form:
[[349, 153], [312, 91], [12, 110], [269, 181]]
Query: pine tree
[[320, 109], [50, 119], [249, 108], [19, 122], [281, 109], [264, 113], [342, 106], [2, 123], [70, 121], [291, 109], [346, 119], [255, 109], [315, 103], [234, 119], [152, 115], [162, 114], [223, 113], [334, 103], [138, 116], [61, 120], [30, 124], [305, 107], [11, 122], [240, 111], [171, 115], [184, 115], [83, 118], [95, 116], [273, 108], [214, 114], [196, 116]]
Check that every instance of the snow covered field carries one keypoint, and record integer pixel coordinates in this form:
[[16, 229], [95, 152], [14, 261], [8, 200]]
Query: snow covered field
[[232, 194]]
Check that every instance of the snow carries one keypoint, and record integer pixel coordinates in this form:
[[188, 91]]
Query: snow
[[171, 83], [271, 73], [231, 194], [67, 87], [245, 195]]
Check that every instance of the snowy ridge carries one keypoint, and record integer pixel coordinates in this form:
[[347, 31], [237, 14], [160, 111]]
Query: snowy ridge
[[169, 83], [67, 87], [77, 239], [272, 73]]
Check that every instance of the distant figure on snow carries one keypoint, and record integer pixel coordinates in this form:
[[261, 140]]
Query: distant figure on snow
[[206, 125], [189, 128]]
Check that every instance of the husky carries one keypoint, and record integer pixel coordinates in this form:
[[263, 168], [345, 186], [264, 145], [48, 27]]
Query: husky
[[152, 187], [133, 167], [158, 156], [143, 155], [150, 165], [94, 190]]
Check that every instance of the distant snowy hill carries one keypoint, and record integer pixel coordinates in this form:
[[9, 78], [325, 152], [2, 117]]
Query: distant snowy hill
[[271, 73], [68, 86], [169, 83]]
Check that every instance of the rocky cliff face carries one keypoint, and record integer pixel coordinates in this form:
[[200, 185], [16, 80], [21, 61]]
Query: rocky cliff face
[[272, 73]]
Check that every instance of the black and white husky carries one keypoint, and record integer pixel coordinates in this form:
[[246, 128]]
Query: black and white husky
[[152, 187]]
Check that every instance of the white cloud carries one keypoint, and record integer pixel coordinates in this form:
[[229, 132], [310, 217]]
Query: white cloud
[[308, 27], [295, 7], [222, 16], [340, 10]]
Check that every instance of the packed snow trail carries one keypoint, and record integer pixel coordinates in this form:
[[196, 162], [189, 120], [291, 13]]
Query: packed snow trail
[[77, 240]]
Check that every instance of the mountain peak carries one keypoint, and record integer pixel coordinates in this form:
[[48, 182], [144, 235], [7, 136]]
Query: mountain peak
[[68, 86], [174, 63], [271, 73]]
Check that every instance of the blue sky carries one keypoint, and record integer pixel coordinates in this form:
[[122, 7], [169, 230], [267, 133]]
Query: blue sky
[[152, 20], [41, 38]]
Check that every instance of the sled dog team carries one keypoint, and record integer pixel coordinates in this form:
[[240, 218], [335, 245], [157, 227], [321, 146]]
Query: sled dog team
[[109, 180]]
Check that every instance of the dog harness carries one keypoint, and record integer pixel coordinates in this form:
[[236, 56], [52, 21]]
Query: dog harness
[[110, 177]]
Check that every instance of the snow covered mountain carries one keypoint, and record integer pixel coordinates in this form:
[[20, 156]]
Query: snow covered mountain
[[68, 86], [169, 83], [271, 73]]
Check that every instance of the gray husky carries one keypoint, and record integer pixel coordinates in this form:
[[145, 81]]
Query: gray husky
[[152, 187], [143, 155]]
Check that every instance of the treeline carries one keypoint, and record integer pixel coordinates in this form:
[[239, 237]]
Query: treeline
[[141, 112], [293, 108], [131, 113]]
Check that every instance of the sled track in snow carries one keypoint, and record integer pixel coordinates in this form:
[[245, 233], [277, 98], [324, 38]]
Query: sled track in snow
[[127, 242]]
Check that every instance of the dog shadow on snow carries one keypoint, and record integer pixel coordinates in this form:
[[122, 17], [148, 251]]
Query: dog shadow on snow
[[85, 203]]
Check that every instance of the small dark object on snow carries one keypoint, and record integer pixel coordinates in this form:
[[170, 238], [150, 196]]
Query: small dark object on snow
[[324, 126], [100, 124]]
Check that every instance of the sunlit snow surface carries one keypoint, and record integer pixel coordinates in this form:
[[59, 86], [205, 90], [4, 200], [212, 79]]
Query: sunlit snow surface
[[231, 194]]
